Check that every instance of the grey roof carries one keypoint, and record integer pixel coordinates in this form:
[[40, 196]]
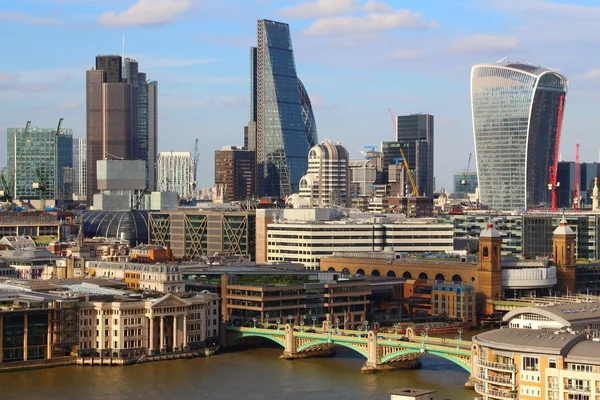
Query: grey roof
[[566, 314], [563, 228], [411, 392], [529, 340], [490, 231], [526, 68], [586, 352], [27, 254]]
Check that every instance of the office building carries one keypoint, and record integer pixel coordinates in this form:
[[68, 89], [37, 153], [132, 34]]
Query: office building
[[363, 175], [79, 167], [234, 173], [517, 113], [152, 134], [175, 171], [39, 155], [415, 135], [566, 176], [327, 180], [465, 182], [282, 127]]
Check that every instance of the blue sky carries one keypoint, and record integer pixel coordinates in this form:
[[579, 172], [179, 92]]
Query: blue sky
[[357, 58]]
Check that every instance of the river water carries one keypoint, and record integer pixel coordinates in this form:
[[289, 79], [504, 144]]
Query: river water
[[253, 374]]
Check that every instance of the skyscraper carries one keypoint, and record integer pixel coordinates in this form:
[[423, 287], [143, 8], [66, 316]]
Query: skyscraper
[[31, 159], [415, 135], [517, 109], [282, 128], [234, 173], [79, 166], [152, 118], [176, 172]]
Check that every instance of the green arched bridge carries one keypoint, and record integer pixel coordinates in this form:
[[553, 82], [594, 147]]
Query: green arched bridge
[[378, 348]]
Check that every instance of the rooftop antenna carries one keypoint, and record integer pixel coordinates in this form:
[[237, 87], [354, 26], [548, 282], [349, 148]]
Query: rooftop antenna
[[502, 60]]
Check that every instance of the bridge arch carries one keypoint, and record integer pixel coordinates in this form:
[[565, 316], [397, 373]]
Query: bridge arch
[[403, 352], [333, 343], [257, 334]]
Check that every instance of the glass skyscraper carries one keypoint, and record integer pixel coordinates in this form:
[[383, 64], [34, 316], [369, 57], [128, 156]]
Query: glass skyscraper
[[516, 110], [282, 127]]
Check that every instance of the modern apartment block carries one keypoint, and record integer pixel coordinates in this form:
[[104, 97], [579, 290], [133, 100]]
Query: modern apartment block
[[327, 180], [415, 135], [306, 235], [192, 235], [517, 114], [39, 155], [79, 166], [282, 126], [235, 173], [299, 299], [175, 171]]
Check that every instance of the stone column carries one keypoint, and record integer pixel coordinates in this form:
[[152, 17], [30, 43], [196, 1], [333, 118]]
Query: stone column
[[1, 327], [203, 324], [151, 336], [184, 331], [372, 356], [25, 322], [174, 332], [49, 338], [162, 333]]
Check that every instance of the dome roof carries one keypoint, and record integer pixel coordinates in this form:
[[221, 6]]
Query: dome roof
[[329, 151], [563, 228], [130, 225], [489, 232]]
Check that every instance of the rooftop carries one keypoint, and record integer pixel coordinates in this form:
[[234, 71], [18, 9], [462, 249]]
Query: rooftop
[[566, 314], [411, 392], [530, 341]]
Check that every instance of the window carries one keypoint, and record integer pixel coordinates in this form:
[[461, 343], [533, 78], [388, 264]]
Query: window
[[530, 364], [552, 363]]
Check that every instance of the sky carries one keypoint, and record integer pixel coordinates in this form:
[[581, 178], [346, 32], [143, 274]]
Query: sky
[[357, 58]]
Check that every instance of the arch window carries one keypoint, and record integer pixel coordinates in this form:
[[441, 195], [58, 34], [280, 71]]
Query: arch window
[[423, 276], [391, 274], [440, 278], [456, 278], [375, 272], [360, 271], [407, 275]]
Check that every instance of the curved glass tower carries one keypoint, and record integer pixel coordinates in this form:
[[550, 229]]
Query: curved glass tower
[[282, 128], [517, 109]]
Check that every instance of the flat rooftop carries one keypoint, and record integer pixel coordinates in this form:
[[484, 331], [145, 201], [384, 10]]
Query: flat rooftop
[[411, 392]]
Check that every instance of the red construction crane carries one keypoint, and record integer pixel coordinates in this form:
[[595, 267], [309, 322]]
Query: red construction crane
[[553, 170], [576, 181]]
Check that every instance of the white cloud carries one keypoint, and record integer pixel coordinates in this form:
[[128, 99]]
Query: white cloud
[[27, 18], [10, 82], [406, 54], [317, 9], [146, 13], [547, 7], [591, 74], [376, 6], [369, 23], [484, 43]]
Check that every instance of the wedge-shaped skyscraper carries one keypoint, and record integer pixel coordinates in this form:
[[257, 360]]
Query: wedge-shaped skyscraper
[[282, 126], [517, 112]]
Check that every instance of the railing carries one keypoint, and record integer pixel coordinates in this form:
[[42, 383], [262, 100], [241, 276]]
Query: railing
[[496, 379], [574, 388], [497, 366], [496, 393]]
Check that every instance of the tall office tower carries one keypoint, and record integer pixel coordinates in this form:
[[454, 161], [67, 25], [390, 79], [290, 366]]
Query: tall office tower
[[234, 173], [517, 112], [415, 136], [152, 133], [588, 172], [143, 118], [79, 166], [327, 180], [282, 127], [30, 156], [176, 172], [108, 115]]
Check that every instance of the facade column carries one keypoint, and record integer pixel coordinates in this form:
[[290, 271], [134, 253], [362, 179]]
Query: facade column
[[49, 338], [25, 332], [203, 324], [184, 332], [151, 336], [1, 336], [174, 332], [162, 332]]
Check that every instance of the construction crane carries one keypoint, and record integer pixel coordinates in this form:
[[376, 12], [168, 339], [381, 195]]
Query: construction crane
[[196, 159], [576, 181], [553, 170], [370, 149], [56, 174], [41, 187], [464, 180], [5, 192], [410, 177], [393, 121]]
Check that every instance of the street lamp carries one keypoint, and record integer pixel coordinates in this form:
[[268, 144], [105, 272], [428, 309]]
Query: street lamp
[[267, 317], [278, 322], [337, 325], [396, 330], [301, 325], [290, 317], [314, 319], [254, 320], [366, 325], [460, 331], [427, 331], [423, 334]]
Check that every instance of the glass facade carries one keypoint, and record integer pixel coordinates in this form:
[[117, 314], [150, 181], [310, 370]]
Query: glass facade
[[281, 109], [516, 111], [415, 135], [31, 157], [464, 183]]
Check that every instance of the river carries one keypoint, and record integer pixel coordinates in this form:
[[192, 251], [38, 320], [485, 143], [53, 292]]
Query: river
[[253, 374]]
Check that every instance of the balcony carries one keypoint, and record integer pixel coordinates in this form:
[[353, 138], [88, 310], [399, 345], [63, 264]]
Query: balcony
[[496, 394], [497, 379], [497, 366], [574, 388]]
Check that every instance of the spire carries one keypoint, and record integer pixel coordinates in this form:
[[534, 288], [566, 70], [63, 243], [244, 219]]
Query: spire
[[595, 196]]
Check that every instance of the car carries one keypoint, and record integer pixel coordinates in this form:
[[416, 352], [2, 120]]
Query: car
[[352, 335], [272, 327], [364, 335], [310, 331], [381, 337], [404, 339]]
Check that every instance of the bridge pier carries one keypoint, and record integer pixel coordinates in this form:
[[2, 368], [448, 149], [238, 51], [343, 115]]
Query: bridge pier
[[374, 363], [290, 351]]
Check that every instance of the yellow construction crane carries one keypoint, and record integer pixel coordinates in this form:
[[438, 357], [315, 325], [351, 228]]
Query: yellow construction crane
[[410, 177]]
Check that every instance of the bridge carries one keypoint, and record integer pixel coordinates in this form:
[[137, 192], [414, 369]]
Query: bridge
[[382, 350]]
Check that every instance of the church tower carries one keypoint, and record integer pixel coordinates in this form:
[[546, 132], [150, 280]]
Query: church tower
[[490, 268], [563, 243]]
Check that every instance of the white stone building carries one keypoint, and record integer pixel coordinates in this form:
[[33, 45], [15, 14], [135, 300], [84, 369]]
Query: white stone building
[[152, 277], [176, 172], [327, 180], [79, 167], [128, 328], [363, 175]]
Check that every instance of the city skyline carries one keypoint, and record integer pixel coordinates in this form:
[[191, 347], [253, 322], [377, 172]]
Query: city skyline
[[354, 65]]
